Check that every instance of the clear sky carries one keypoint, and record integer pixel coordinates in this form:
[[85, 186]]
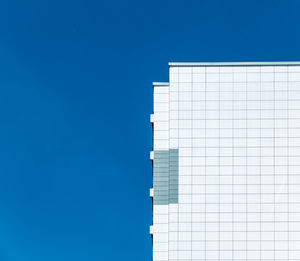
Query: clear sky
[[75, 99]]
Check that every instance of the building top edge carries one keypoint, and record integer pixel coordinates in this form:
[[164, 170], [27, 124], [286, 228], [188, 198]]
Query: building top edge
[[178, 64], [160, 84]]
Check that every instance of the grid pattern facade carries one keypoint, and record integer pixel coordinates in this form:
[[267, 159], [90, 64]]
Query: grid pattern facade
[[236, 129]]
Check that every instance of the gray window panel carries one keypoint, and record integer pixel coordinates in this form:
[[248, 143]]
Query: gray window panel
[[173, 153], [161, 191], [162, 152], [161, 195], [161, 202], [164, 164], [173, 191], [157, 158], [161, 156], [161, 184], [160, 169], [165, 177], [161, 172], [161, 163], [164, 173], [173, 179]]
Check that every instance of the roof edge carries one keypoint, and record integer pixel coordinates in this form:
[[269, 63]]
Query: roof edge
[[160, 84], [232, 63]]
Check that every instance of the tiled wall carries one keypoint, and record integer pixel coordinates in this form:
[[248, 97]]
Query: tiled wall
[[236, 130]]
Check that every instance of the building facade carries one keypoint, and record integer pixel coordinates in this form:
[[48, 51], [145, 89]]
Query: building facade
[[226, 162]]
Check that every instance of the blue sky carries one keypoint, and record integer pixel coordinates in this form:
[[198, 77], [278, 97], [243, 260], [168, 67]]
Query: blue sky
[[75, 99]]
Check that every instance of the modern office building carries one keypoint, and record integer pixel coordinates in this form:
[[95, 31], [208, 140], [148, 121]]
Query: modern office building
[[226, 162]]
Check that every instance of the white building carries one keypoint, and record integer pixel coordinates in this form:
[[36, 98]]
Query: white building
[[226, 162]]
